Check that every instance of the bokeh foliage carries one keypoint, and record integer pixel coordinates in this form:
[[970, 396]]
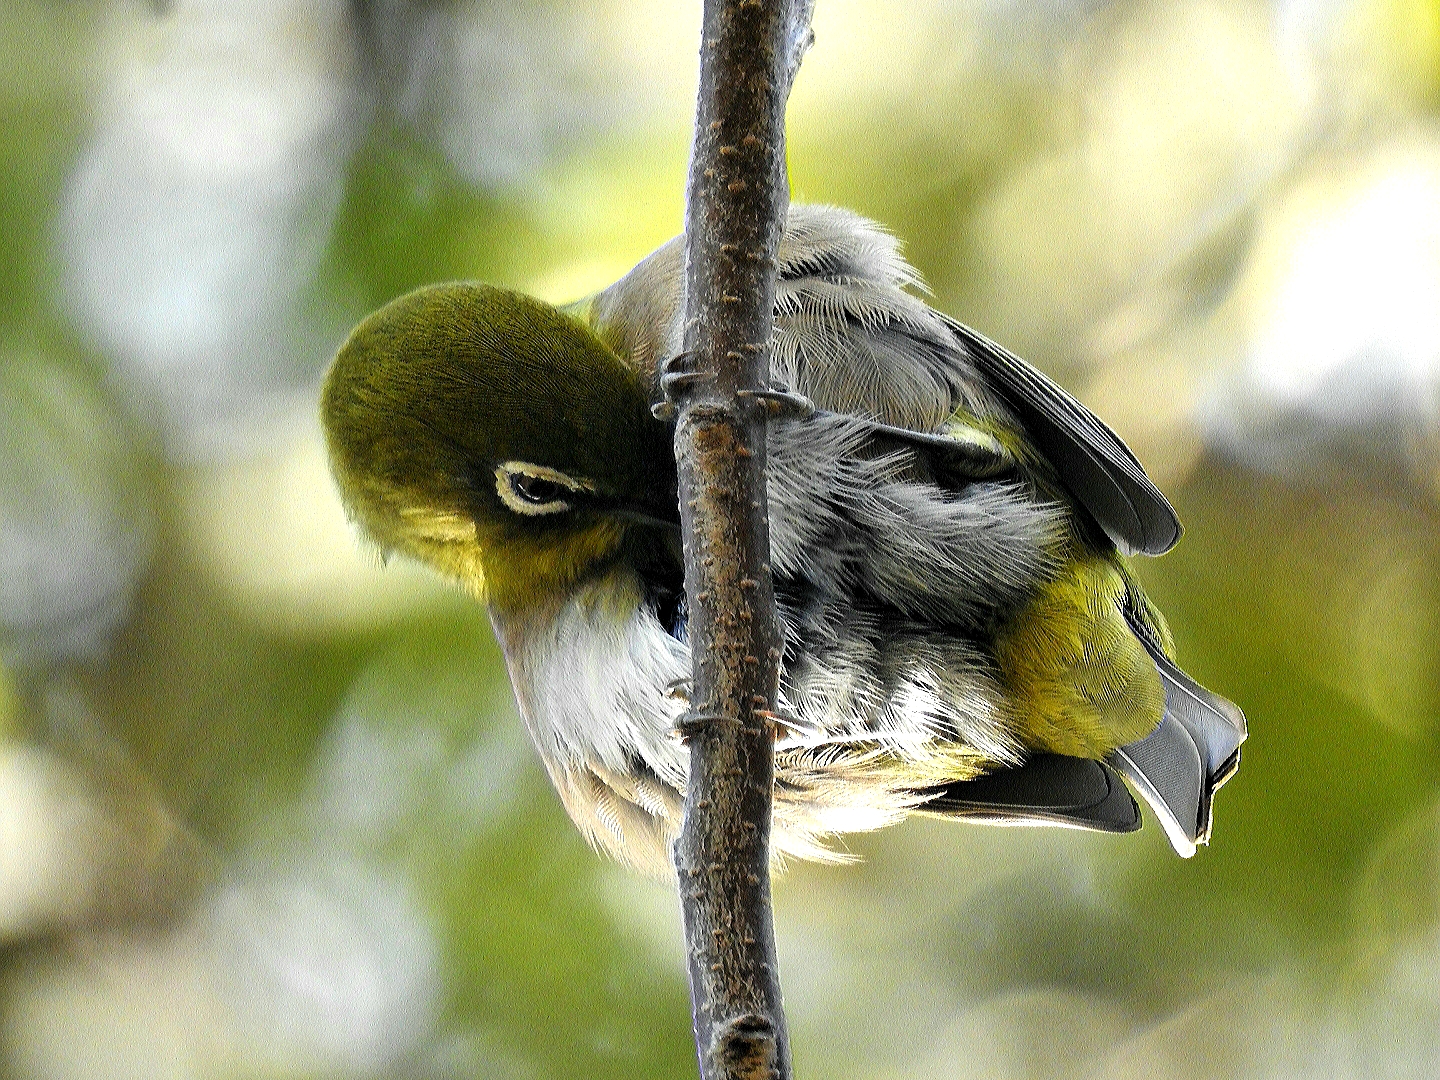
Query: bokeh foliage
[[266, 808]]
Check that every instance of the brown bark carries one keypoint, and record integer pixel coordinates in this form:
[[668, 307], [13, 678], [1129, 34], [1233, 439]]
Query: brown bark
[[737, 201]]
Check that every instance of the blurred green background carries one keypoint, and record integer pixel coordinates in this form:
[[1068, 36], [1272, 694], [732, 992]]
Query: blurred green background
[[266, 810]]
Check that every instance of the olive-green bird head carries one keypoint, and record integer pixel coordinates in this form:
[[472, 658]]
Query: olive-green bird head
[[494, 437]]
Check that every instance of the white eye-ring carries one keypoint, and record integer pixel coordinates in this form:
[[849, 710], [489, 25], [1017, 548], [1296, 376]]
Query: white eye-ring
[[534, 490]]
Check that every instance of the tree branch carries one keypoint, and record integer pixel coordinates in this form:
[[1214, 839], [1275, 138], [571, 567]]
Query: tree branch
[[737, 201]]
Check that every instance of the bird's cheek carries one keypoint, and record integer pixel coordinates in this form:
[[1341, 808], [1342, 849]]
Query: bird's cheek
[[462, 560], [521, 569], [439, 526]]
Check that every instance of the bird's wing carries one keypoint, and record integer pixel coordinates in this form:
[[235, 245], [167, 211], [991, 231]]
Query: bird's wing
[[849, 336], [1092, 461]]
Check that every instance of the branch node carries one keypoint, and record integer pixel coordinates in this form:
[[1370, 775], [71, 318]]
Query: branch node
[[697, 723], [744, 1047]]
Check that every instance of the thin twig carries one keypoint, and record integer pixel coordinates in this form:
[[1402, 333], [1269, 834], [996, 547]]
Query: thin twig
[[737, 201]]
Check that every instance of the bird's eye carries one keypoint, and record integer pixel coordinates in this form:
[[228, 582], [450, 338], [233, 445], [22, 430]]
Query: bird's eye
[[533, 490]]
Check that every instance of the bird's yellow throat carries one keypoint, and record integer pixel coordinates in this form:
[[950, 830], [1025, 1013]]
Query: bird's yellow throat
[[511, 569]]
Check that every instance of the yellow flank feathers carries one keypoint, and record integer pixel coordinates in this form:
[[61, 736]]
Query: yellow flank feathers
[[1082, 682]]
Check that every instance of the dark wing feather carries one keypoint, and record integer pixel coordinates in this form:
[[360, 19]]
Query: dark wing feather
[[1093, 462], [1047, 789]]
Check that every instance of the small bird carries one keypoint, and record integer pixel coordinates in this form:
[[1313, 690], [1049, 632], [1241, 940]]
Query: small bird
[[962, 634]]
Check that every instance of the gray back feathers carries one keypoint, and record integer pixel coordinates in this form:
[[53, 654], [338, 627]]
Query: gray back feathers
[[852, 339], [847, 334]]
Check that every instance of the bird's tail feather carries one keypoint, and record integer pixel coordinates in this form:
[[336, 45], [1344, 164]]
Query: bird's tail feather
[[1180, 765]]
